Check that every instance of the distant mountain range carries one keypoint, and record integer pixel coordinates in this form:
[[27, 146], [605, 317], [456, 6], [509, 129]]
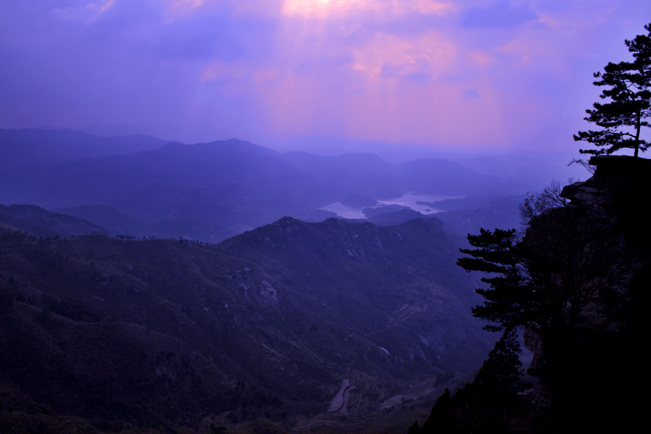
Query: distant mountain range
[[140, 186], [45, 147]]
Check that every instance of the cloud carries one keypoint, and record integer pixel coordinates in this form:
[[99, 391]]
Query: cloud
[[498, 15], [340, 8], [391, 56], [471, 93], [85, 14], [423, 71]]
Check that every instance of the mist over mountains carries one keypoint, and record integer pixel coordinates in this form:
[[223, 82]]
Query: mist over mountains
[[140, 186]]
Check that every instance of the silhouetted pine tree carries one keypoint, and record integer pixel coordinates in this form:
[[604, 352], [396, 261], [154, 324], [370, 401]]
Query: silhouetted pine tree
[[489, 402], [501, 373]]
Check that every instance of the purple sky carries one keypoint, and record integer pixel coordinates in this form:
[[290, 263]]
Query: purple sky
[[459, 73]]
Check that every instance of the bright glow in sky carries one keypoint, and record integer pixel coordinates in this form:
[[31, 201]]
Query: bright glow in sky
[[463, 73]]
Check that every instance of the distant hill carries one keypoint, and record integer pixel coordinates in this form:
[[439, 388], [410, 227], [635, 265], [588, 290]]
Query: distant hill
[[210, 191], [124, 224], [37, 221], [41, 147], [364, 174], [468, 215], [125, 333], [369, 175], [232, 183]]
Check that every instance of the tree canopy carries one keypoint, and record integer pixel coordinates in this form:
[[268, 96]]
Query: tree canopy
[[543, 281], [628, 102], [508, 301]]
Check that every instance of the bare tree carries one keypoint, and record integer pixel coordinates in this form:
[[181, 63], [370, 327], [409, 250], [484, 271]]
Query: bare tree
[[536, 203]]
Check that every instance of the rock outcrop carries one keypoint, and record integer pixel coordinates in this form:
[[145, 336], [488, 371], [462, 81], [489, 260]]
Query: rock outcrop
[[586, 272], [594, 255]]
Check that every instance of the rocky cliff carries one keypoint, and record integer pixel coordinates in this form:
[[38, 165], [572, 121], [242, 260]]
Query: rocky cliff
[[585, 269], [594, 256]]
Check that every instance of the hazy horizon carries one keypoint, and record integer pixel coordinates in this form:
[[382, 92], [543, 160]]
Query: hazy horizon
[[463, 76]]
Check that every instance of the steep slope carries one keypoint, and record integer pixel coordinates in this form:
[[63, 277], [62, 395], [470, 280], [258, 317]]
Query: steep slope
[[594, 253], [407, 270], [589, 265], [266, 324]]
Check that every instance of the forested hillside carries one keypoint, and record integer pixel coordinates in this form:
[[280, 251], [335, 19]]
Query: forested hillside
[[119, 333]]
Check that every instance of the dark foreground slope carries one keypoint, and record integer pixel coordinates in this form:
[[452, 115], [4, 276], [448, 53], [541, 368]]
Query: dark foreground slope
[[108, 334], [589, 263]]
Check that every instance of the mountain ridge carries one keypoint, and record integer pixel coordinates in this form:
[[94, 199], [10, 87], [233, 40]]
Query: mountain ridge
[[271, 320]]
